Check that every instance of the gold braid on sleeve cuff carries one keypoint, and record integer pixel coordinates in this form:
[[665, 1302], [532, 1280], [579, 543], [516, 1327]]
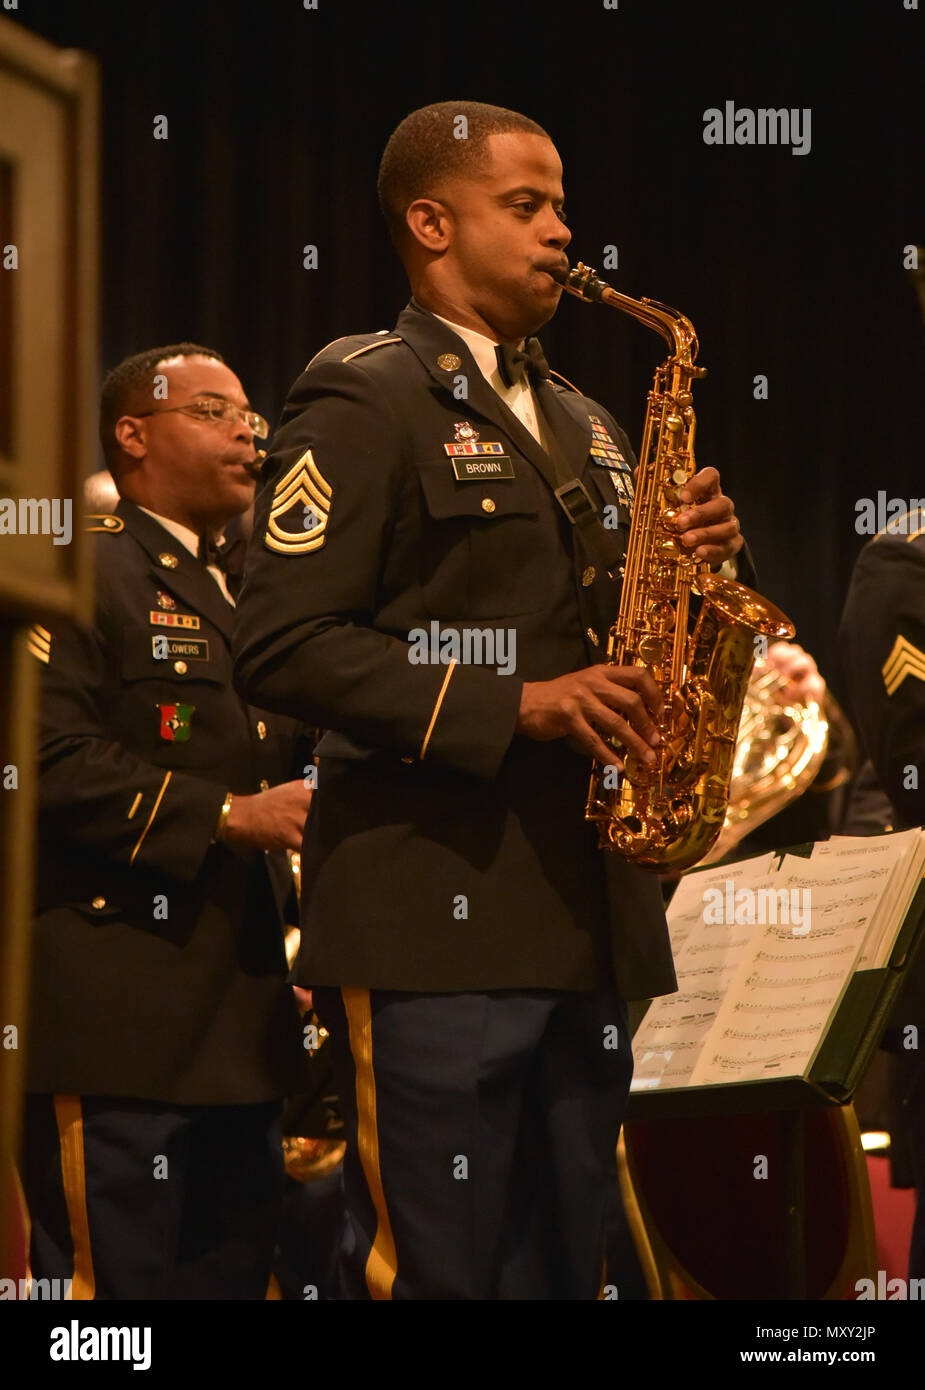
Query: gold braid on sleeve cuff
[[433, 717], [154, 811]]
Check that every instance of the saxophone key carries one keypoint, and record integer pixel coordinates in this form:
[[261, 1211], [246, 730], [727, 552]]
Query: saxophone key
[[652, 650]]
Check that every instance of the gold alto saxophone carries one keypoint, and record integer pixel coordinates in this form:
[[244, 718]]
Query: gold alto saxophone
[[665, 815]]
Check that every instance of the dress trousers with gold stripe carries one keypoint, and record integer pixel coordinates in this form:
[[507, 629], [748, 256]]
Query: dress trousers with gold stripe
[[414, 561], [162, 1034]]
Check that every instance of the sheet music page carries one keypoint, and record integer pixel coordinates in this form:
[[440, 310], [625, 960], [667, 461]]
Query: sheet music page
[[906, 890], [903, 855], [792, 975], [764, 955], [895, 862], [686, 907], [670, 1038]]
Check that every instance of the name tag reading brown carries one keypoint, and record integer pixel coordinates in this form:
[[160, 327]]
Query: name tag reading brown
[[482, 469]]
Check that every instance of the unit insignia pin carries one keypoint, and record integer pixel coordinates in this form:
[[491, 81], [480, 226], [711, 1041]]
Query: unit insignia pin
[[175, 722]]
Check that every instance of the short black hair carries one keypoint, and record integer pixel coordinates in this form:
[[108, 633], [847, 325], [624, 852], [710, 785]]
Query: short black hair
[[128, 388], [427, 147]]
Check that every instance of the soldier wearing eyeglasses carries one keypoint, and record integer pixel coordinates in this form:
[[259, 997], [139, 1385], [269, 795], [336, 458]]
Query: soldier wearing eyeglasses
[[163, 1034]]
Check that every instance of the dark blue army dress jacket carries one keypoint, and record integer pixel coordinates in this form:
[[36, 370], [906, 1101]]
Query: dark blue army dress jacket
[[158, 967], [410, 568]]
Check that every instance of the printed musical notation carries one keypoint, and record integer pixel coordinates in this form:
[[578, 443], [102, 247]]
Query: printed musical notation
[[764, 953]]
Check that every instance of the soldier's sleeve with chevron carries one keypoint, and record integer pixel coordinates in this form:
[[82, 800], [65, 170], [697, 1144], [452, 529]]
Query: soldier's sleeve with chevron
[[299, 512], [882, 640], [97, 796], [310, 639], [905, 659]]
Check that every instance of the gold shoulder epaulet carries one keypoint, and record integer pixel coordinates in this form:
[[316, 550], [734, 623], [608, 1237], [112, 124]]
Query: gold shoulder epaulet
[[380, 342], [369, 348], [105, 521], [911, 525], [565, 381]]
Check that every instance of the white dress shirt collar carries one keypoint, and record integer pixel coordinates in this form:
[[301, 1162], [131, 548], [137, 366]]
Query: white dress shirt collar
[[190, 541], [181, 533], [519, 397], [483, 350]]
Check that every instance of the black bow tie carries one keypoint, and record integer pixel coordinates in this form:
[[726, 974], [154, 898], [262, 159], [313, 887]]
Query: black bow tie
[[513, 360], [228, 557]]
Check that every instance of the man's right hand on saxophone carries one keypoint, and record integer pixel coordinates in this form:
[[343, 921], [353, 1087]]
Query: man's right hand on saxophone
[[621, 702]]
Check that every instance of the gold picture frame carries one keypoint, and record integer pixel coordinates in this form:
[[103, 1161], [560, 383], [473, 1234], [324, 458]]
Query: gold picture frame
[[49, 336]]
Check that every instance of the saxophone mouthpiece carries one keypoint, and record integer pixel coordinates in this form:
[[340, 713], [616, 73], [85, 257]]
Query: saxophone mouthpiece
[[581, 281]]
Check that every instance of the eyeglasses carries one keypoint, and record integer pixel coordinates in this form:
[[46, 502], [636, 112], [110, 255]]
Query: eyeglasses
[[216, 410]]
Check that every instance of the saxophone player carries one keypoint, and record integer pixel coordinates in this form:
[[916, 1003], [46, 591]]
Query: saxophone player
[[163, 1034], [434, 502]]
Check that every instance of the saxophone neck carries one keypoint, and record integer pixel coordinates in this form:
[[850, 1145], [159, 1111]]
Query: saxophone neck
[[677, 330], [674, 327]]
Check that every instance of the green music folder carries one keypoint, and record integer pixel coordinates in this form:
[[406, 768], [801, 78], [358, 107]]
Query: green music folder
[[789, 966]]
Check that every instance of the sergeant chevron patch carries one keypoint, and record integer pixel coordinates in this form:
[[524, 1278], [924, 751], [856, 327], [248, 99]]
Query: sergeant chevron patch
[[299, 512], [904, 660], [38, 640]]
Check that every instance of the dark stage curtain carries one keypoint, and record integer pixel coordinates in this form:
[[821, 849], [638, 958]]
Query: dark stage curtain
[[789, 265]]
